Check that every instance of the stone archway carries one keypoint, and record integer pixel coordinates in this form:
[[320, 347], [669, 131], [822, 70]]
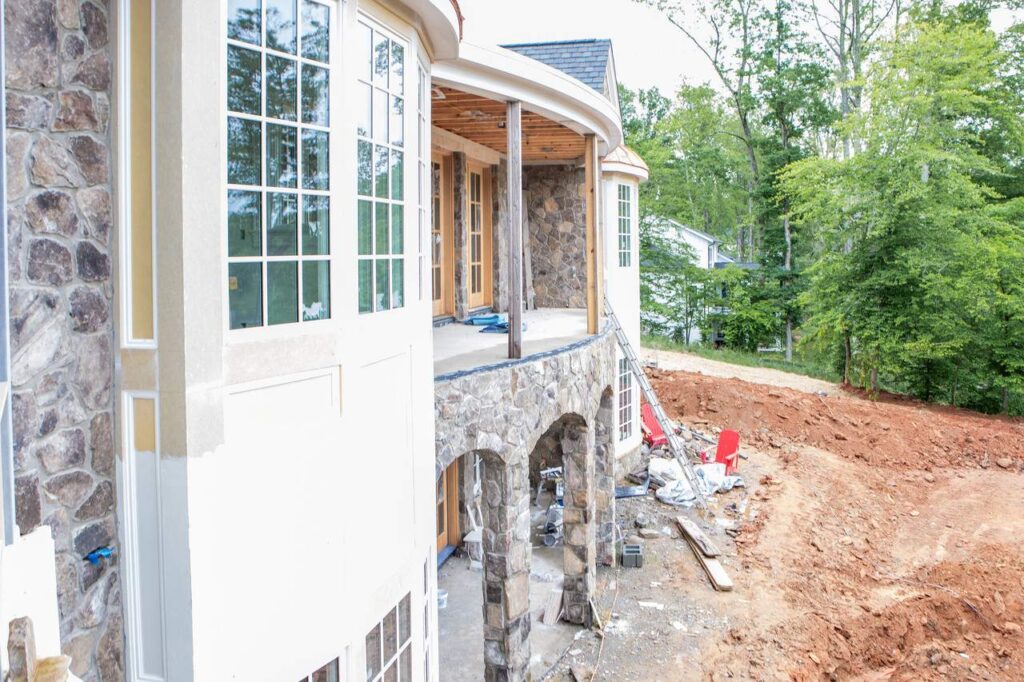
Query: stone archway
[[502, 412]]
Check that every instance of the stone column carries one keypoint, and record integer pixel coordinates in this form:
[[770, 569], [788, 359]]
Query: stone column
[[461, 235], [604, 481], [506, 540], [580, 556]]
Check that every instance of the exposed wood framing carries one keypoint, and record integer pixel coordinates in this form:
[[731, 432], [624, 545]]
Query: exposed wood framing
[[445, 141], [515, 230], [483, 121]]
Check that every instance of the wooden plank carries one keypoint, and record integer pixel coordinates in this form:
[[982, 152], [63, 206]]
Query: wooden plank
[[515, 231], [720, 580], [593, 290], [553, 607], [692, 532]]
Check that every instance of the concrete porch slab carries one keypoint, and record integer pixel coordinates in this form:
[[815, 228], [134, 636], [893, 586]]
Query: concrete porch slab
[[459, 347]]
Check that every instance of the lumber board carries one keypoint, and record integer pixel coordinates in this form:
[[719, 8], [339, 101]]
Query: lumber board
[[720, 580], [692, 532], [553, 607]]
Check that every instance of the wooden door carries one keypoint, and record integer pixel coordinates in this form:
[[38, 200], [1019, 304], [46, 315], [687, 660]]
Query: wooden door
[[442, 511], [479, 213], [442, 274], [447, 507]]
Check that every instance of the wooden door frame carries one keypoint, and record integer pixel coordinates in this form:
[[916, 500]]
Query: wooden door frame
[[486, 296], [451, 483]]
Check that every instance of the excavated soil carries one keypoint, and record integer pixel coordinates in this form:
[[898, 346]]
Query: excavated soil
[[874, 540]]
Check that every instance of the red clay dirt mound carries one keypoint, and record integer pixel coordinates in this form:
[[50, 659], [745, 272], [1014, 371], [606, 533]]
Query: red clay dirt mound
[[971, 607], [889, 434]]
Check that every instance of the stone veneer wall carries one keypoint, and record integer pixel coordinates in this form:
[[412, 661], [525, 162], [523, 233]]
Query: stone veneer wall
[[556, 209], [500, 245], [502, 413], [59, 222], [461, 236]]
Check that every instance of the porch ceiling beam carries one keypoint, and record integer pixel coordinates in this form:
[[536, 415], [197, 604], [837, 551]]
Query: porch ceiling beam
[[515, 230]]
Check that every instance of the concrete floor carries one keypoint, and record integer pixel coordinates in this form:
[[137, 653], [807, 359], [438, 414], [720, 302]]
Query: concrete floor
[[460, 624], [459, 346]]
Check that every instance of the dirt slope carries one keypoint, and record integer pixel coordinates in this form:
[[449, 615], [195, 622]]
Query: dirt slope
[[897, 435], [887, 543]]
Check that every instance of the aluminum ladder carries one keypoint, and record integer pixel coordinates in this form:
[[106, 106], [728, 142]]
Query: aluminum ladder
[[674, 444]]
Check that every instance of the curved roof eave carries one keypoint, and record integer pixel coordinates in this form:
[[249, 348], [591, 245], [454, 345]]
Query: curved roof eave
[[442, 22], [503, 75]]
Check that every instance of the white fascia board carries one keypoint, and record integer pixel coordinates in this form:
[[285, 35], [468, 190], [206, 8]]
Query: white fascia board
[[441, 24], [504, 75], [610, 167]]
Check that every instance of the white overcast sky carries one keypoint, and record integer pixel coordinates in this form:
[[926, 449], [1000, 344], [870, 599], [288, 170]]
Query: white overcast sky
[[648, 49]]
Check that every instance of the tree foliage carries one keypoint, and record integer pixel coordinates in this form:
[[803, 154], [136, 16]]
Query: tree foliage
[[875, 151]]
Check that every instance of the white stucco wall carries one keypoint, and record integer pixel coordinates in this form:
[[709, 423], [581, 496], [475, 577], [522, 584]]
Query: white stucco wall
[[297, 462]]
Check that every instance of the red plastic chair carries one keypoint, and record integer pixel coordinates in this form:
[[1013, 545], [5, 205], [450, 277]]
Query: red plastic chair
[[728, 452], [654, 435]]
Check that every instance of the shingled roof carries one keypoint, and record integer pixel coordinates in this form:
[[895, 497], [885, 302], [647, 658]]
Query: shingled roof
[[584, 60]]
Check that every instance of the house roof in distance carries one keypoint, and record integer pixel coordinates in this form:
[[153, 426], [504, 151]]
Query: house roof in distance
[[585, 60]]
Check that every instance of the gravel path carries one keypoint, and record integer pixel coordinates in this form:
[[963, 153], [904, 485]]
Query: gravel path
[[687, 362]]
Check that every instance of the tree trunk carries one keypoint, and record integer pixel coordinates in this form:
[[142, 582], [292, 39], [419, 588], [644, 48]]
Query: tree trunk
[[1006, 401], [874, 382], [847, 359], [789, 338]]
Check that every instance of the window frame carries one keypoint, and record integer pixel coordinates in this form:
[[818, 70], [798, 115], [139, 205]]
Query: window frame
[[424, 182], [625, 231], [336, 120], [625, 406], [408, 149]]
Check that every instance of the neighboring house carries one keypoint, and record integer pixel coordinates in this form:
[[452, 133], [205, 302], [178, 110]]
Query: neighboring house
[[707, 255], [239, 232]]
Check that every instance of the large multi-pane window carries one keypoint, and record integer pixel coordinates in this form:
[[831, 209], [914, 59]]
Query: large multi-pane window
[[435, 231], [625, 400], [388, 646], [625, 225], [381, 171], [278, 161]]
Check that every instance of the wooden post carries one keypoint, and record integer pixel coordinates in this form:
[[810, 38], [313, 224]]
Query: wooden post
[[515, 230], [594, 270]]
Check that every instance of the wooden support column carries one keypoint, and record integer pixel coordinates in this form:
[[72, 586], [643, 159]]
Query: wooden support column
[[595, 273], [515, 230]]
